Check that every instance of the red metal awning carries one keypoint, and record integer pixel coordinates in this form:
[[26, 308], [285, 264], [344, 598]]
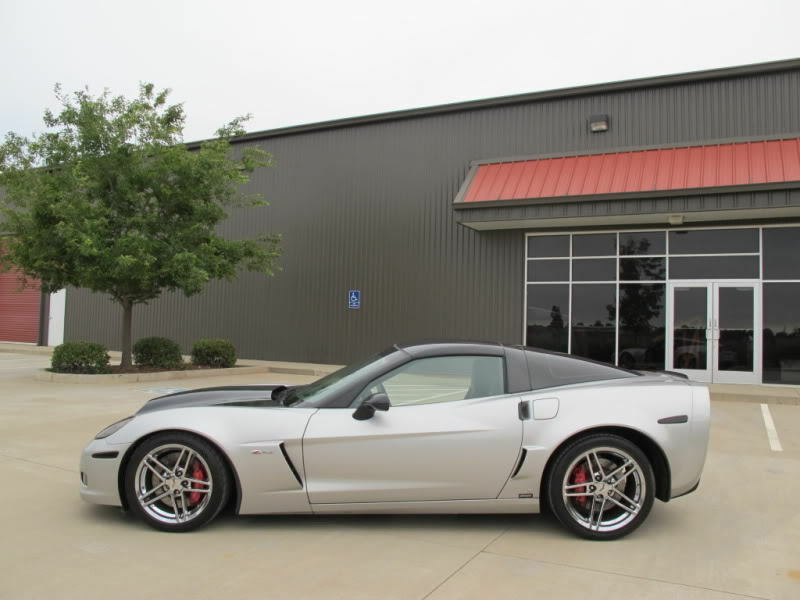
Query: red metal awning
[[663, 170]]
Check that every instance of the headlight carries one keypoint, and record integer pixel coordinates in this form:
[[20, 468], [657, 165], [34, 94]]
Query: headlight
[[113, 428]]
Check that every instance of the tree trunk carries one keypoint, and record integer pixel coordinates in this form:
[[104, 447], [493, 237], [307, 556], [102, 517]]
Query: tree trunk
[[127, 318]]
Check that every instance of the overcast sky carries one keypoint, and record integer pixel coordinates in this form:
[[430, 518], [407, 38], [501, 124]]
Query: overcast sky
[[295, 62]]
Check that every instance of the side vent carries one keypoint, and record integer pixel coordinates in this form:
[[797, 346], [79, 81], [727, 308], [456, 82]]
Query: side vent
[[290, 463], [520, 463]]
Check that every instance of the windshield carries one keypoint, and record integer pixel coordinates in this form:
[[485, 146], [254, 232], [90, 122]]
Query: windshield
[[317, 393]]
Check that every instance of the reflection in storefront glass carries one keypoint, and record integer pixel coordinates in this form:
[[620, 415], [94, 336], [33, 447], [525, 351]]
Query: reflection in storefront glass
[[641, 326], [735, 352], [689, 343], [594, 315], [548, 317], [781, 357], [647, 242]]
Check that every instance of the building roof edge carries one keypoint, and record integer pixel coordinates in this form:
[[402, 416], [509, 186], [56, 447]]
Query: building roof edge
[[582, 90]]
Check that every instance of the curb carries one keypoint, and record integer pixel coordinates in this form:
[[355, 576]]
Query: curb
[[20, 348], [172, 375], [753, 399]]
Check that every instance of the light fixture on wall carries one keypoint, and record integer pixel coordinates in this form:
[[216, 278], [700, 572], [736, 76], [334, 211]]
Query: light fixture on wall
[[599, 123], [676, 219]]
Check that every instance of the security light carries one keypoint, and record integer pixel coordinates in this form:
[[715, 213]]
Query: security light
[[675, 219], [598, 123]]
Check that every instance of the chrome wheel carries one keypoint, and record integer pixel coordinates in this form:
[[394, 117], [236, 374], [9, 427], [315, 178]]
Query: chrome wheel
[[601, 486], [604, 489], [173, 483]]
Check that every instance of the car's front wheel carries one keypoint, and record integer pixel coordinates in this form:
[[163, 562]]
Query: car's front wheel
[[601, 487], [176, 482]]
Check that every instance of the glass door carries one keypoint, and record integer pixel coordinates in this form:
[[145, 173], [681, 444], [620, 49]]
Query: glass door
[[688, 347], [714, 333]]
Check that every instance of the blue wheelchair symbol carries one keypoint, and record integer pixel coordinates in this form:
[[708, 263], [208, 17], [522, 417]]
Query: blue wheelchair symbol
[[354, 299]]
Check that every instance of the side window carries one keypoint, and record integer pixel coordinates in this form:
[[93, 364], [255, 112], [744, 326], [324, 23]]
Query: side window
[[439, 379], [551, 370]]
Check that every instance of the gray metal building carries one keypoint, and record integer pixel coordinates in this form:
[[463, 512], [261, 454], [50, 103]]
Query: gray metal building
[[651, 223]]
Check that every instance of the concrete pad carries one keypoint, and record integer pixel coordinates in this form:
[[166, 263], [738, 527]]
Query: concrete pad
[[493, 576], [77, 546], [787, 424], [738, 428]]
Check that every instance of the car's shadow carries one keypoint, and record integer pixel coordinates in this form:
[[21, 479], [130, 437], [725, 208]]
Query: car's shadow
[[229, 522]]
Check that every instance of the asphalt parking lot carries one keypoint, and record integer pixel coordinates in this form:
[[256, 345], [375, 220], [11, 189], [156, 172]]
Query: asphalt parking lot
[[737, 536]]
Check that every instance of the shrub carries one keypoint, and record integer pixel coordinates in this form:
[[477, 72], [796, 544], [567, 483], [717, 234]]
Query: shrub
[[157, 352], [214, 353], [80, 357]]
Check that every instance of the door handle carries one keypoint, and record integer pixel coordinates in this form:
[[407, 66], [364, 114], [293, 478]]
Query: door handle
[[524, 409]]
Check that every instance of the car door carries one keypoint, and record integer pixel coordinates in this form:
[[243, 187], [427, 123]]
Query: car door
[[451, 433]]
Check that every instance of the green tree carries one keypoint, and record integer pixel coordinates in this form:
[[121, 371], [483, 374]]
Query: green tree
[[110, 199]]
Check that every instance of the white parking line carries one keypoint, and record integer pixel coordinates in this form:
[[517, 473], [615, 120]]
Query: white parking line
[[772, 434]]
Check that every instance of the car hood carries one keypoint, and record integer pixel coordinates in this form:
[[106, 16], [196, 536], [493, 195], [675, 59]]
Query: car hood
[[249, 395]]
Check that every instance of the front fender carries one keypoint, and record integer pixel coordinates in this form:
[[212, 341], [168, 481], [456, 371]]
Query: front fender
[[263, 445]]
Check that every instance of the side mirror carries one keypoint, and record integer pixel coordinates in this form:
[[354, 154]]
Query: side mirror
[[379, 401]]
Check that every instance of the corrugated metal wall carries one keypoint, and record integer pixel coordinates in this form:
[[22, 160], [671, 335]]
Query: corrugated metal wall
[[370, 207]]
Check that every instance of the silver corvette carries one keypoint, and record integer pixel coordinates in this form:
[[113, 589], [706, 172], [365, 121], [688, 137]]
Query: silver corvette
[[428, 428]]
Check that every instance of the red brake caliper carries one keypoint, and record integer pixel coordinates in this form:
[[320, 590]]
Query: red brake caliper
[[197, 473], [579, 475]]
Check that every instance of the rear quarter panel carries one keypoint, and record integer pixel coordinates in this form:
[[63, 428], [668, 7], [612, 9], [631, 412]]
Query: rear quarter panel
[[631, 403]]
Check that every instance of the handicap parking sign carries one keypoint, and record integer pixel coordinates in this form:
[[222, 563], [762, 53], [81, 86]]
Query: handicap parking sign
[[354, 299]]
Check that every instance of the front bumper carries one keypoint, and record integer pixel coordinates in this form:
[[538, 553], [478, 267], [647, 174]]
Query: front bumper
[[100, 463]]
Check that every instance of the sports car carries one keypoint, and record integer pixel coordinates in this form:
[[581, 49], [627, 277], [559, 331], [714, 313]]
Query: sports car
[[426, 428]]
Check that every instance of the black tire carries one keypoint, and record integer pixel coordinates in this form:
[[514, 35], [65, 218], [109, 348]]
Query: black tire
[[593, 512], [192, 506]]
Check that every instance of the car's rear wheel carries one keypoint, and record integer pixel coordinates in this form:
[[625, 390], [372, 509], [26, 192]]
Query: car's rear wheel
[[601, 487], [176, 482]]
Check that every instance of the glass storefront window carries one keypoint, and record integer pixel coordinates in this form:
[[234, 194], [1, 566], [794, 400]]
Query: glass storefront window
[[548, 246], [780, 253], [713, 241], [689, 339], [642, 326], [548, 317], [736, 329], [781, 353], [594, 315], [594, 244], [594, 269], [645, 242], [642, 269], [713, 267], [548, 270], [606, 296]]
